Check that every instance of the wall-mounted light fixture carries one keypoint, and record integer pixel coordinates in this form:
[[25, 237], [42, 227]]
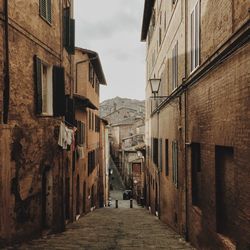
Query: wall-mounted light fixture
[[155, 86]]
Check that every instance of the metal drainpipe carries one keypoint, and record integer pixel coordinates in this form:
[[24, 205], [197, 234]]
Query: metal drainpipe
[[6, 88], [159, 170], [185, 125]]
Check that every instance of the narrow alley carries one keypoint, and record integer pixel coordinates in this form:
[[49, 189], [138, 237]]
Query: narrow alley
[[112, 228]]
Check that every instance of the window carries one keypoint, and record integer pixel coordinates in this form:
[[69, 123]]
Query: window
[[91, 161], [97, 123], [91, 74], [155, 151], [196, 173], [49, 89], [68, 31], [160, 154], [47, 102], [80, 133], [90, 122], [195, 37], [159, 36], [166, 158], [175, 162], [45, 9], [175, 67], [93, 121], [165, 21]]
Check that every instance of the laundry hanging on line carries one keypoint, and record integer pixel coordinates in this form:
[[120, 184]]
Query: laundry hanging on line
[[66, 136]]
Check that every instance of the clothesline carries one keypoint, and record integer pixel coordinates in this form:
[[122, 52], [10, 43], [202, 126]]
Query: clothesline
[[72, 125]]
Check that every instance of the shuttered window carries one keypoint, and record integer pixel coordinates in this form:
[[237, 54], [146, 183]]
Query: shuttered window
[[91, 161], [175, 162], [155, 151], [166, 158], [195, 37], [49, 89], [59, 104], [68, 31], [70, 110], [45, 9], [81, 133], [175, 67]]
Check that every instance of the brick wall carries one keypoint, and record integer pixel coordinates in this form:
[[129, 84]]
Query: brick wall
[[218, 115]]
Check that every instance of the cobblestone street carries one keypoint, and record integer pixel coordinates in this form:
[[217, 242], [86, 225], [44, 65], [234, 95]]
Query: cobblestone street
[[111, 228]]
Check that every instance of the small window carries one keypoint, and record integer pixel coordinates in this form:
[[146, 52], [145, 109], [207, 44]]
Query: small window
[[175, 67], [160, 36], [80, 133], [160, 154], [49, 89], [155, 151], [175, 162], [45, 9], [166, 158]]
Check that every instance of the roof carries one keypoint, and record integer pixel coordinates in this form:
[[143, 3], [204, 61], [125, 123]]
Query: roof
[[104, 121], [96, 63], [148, 9], [84, 102]]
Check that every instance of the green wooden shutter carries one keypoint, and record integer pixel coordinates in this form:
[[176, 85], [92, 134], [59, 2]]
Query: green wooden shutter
[[38, 85], [59, 106]]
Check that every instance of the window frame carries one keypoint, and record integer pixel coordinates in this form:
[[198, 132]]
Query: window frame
[[175, 162], [175, 66], [48, 11], [195, 36], [49, 94]]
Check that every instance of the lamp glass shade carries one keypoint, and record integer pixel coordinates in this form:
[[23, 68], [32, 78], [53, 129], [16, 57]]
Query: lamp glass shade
[[155, 85]]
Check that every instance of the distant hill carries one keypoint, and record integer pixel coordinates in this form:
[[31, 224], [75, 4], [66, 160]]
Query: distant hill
[[109, 106]]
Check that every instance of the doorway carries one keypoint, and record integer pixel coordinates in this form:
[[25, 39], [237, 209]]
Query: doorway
[[47, 198]]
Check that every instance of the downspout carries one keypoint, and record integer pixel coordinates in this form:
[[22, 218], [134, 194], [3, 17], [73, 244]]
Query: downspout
[[6, 88], [77, 64], [159, 162], [185, 126]]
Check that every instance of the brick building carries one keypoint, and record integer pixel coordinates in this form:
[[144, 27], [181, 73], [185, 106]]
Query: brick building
[[197, 128], [90, 166], [49, 174], [35, 52]]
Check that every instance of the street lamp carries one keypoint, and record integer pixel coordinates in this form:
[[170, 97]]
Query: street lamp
[[155, 86]]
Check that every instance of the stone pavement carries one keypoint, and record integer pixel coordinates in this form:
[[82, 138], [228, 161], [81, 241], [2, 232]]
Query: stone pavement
[[110, 228]]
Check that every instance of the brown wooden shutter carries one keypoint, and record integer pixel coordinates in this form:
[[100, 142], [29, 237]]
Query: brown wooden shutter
[[59, 106], [66, 27], [38, 85], [71, 48]]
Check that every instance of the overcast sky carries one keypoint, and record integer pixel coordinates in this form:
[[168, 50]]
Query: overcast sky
[[112, 28]]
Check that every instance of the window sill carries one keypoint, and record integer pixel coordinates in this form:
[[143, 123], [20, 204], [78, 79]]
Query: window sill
[[195, 69]]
